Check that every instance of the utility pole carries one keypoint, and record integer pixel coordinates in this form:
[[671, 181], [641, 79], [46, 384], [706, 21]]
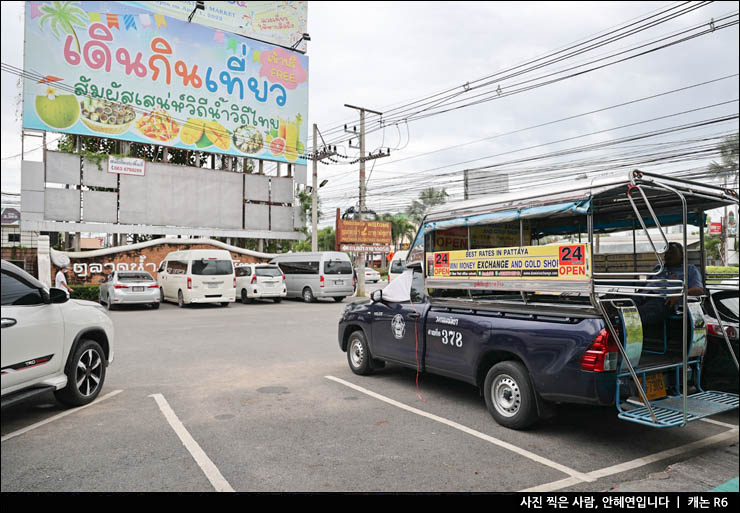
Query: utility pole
[[315, 185], [361, 256], [325, 152]]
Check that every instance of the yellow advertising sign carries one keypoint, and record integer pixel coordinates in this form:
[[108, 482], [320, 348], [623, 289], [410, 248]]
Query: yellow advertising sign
[[553, 262]]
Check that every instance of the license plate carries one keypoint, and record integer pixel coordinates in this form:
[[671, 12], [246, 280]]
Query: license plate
[[338, 282], [655, 387], [137, 289], [212, 285]]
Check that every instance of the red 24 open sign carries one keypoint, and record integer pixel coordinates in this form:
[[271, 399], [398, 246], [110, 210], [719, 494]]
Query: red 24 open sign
[[573, 255]]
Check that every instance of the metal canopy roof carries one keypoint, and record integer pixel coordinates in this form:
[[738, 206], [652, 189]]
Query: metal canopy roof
[[607, 195]]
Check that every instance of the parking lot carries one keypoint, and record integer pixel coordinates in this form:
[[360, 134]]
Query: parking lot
[[259, 397]]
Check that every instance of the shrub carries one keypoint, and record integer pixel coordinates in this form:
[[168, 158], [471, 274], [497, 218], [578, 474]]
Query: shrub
[[89, 292]]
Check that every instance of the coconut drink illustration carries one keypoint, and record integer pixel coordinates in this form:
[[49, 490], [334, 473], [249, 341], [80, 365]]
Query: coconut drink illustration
[[53, 107]]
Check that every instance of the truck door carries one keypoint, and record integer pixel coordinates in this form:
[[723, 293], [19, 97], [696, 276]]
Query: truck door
[[453, 341], [398, 328]]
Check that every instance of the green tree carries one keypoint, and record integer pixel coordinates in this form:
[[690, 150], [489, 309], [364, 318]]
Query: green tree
[[728, 149], [65, 16], [712, 247], [428, 198], [401, 227]]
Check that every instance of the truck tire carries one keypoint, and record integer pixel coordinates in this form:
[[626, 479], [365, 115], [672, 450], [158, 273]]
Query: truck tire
[[510, 396], [358, 354], [85, 372]]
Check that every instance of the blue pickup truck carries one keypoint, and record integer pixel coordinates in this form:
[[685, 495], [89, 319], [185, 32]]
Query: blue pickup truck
[[523, 362], [507, 293]]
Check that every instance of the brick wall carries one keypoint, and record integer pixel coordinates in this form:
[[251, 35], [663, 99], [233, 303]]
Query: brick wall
[[28, 256]]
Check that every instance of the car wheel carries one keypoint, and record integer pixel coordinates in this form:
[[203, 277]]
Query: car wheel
[[510, 396], [85, 372], [308, 296], [109, 304], [358, 354], [277, 299], [161, 295], [339, 299], [225, 304], [155, 306], [245, 297], [180, 299]]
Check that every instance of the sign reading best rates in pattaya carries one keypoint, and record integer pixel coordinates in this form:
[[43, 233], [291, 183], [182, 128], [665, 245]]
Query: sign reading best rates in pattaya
[[553, 262], [108, 69]]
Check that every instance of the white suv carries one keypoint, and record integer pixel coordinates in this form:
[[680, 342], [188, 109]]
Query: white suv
[[260, 281], [50, 342]]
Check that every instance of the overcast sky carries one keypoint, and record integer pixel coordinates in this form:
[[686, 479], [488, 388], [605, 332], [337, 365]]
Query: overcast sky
[[380, 55]]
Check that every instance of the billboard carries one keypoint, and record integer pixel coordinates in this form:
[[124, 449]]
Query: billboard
[[279, 23], [109, 69], [364, 232]]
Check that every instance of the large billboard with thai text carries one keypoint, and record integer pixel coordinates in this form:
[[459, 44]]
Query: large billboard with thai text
[[280, 23], [109, 69]]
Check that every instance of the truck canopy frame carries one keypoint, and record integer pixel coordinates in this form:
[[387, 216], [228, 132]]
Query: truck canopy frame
[[589, 207]]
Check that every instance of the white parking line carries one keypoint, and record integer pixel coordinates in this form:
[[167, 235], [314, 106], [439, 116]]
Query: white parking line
[[59, 416], [204, 462], [575, 475], [732, 434]]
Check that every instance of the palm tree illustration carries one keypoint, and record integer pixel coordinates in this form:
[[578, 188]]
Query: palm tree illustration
[[64, 16]]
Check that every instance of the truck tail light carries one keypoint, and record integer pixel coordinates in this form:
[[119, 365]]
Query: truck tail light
[[234, 281], [283, 276], [601, 355], [120, 286], [254, 279], [321, 281], [190, 283]]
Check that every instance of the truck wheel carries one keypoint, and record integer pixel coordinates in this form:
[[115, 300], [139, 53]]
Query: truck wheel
[[510, 396], [339, 299], [180, 299], [85, 372], [358, 354]]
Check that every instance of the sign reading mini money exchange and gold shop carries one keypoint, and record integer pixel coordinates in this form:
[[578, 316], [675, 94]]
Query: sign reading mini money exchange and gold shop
[[506, 267]]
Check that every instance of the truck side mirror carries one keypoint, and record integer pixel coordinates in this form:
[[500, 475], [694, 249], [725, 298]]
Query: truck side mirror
[[377, 296]]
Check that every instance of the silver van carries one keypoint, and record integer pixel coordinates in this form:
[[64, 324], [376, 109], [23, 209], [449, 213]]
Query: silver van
[[315, 275]]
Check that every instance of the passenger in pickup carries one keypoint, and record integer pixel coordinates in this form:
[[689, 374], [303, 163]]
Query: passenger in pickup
[[657, 310]]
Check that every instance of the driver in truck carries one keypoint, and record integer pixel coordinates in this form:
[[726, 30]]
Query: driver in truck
[[657, 310]]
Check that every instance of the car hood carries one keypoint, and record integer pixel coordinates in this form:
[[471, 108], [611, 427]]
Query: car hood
[[86, 303]]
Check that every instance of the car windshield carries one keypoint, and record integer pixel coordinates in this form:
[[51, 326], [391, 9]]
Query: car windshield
[[337, 267], [212, 267], [271, 272], [135, 277]]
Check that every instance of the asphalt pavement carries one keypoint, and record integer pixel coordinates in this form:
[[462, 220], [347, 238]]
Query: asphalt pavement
[[260, 398]]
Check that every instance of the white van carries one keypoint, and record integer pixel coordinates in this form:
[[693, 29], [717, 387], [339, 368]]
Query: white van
[[315, 275], [197, 276], [398, 265]]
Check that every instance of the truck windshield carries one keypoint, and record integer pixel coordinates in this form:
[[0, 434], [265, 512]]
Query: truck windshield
[[212, 267]]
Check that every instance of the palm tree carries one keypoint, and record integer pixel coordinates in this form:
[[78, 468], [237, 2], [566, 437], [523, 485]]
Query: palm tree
[[401, 227], [428, 198], [65, 16], [728, 148]]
